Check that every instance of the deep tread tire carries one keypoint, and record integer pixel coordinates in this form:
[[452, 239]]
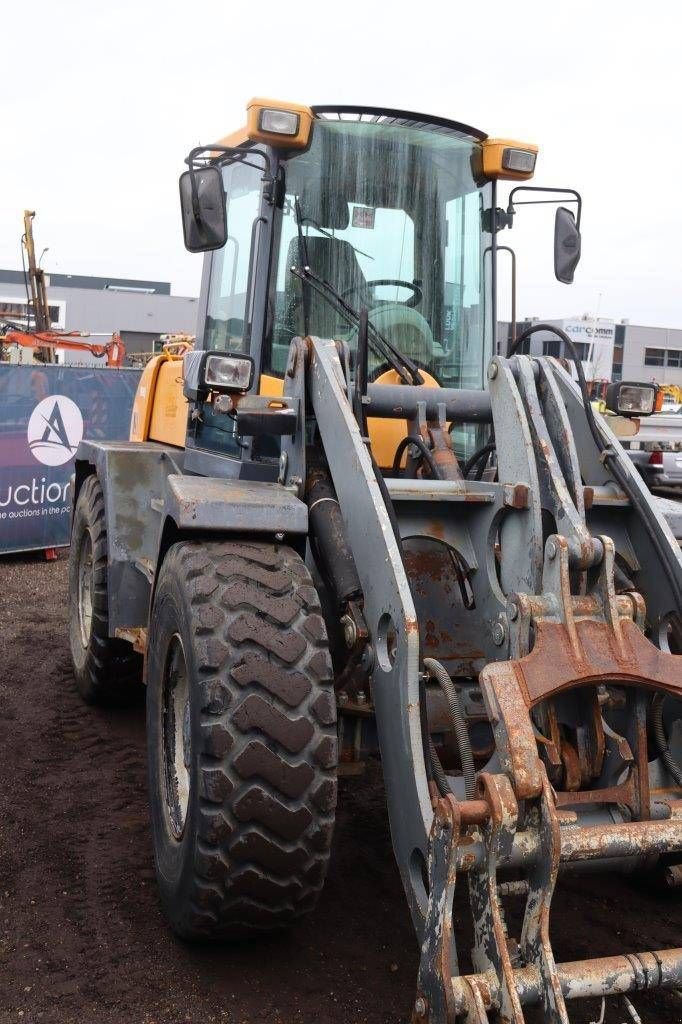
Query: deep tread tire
[[262, 724], [107, 671]]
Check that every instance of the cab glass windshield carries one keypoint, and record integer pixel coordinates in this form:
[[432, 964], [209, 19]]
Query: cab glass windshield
[[389, 216]]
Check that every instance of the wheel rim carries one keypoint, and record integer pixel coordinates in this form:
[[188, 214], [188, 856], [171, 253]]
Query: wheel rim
[[176, 747], [85, 588]]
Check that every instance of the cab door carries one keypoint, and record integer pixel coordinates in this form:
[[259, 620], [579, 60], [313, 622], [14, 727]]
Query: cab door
[[232, 302]]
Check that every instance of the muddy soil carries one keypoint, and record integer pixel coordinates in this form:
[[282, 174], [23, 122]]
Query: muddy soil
[[81, 935]]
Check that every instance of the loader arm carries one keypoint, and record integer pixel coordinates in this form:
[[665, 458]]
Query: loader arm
[[555, 641]]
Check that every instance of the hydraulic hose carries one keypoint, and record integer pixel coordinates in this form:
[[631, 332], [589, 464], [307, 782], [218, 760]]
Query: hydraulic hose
[[658, 728], [437, 671], [481, 454], [426, 452], [437, 771], [434, 769]]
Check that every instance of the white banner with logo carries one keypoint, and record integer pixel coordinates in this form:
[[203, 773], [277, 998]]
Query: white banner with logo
[[45, 411]]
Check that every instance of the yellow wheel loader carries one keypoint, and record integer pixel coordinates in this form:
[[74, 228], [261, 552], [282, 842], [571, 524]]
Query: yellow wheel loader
[[343, 526]]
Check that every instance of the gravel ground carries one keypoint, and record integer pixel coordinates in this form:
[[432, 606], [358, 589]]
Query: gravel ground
[[81, 935]]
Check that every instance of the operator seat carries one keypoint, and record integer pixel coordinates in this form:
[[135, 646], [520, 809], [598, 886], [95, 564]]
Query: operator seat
[[333, 260]]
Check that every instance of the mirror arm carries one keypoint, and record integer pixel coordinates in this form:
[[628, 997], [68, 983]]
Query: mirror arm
[[533, 202], [234, 151]]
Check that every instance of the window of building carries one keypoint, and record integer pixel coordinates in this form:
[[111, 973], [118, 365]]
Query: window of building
[[654, 357], [674, 357], [21, 314], [524, 348]]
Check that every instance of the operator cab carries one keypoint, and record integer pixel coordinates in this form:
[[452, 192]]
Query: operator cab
[[388, 213], [311, 216], [390, 216]]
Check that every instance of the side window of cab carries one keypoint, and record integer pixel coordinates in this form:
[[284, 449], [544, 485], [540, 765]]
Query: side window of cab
[[229, 308], [228, 314]]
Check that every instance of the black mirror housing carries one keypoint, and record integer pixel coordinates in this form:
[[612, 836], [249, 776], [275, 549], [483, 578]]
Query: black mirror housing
[[202, 201], [566, 245]]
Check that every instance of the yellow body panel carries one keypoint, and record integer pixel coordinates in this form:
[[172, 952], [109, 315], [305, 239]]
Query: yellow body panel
[[492, 159], [144, 396], [169, 414], [160, 408], [273, 387], [238, 138]]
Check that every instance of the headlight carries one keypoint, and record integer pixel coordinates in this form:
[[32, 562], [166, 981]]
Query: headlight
[[223, 372], [631, 399], [228, 373], [278, 122], [521, 161]]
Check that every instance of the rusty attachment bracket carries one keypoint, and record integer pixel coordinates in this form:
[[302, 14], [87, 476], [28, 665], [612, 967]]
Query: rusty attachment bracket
[[434, 1001], [579, 641]]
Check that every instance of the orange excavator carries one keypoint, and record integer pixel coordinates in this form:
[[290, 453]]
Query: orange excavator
[[50, 340], [43, 337]]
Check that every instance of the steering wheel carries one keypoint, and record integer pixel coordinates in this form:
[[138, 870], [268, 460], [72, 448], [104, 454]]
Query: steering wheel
[[417, 293]]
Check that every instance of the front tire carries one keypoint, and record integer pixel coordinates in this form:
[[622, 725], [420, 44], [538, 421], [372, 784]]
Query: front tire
[[241, 732], [106, 670]]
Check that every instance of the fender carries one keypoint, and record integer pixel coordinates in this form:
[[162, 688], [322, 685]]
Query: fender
[[150, 503]]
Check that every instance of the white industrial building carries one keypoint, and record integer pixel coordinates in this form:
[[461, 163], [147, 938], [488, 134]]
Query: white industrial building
[[648, 353]]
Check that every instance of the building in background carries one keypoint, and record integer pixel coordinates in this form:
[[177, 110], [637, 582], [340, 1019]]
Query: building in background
[[649, 353], [609, 350], [141, 310], [593, 337]]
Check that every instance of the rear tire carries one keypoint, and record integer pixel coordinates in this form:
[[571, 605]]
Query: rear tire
[[107, 670], [241, 732]]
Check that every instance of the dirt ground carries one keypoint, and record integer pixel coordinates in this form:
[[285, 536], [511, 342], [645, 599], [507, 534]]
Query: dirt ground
[[81, 935]]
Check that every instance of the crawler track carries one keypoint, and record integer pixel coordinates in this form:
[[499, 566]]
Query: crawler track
[[81, 935]]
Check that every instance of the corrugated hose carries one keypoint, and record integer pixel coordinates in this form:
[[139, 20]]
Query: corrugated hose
[[456, 708], [658, 728]]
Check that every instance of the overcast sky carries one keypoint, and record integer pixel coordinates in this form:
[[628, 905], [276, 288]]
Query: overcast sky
[[101, 102]]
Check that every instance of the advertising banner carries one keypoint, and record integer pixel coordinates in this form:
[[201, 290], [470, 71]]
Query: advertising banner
[[45, 411]]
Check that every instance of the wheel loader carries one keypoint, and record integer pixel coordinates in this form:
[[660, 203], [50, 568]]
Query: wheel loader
[[345, 526]]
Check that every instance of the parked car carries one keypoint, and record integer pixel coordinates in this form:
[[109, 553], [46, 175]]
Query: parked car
[[659, 468]]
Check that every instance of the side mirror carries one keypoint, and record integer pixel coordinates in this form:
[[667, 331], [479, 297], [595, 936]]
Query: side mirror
[[566, 245], [202, 200]]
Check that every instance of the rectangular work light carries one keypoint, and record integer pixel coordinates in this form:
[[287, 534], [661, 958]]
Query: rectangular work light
[[631, 399], [278, 122], [222, 372], [520, 161], [508, 159], [228, 372]]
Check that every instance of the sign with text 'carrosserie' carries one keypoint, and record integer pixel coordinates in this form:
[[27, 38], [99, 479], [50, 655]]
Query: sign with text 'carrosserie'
[[45, 411]]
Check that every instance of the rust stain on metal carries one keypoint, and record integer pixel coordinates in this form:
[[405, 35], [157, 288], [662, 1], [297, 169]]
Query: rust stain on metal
[[135, 636]]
